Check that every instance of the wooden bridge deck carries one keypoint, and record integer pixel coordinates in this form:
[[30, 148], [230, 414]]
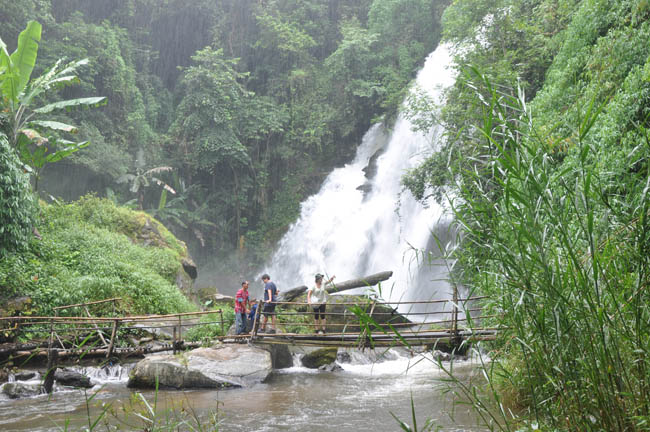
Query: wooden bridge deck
[[352, 333], [377, 339]]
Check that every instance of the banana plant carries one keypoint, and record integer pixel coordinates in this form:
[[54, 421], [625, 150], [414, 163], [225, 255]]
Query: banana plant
[[139, 180], [37, 139]]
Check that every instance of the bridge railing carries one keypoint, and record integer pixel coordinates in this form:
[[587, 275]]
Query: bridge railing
[[347, 321]]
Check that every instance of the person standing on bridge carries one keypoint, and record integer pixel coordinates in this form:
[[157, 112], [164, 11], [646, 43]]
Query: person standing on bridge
[[270, 297], [317, 298], [241, 308]]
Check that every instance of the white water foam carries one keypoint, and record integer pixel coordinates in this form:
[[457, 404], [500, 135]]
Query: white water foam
[[108, 374]]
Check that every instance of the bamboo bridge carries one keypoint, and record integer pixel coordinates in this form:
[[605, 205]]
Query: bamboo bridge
[[363, 325]]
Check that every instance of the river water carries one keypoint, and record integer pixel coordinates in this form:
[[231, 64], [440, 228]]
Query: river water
[[360, 397]]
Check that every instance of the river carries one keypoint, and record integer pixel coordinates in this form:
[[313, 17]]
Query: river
[[359, 397]]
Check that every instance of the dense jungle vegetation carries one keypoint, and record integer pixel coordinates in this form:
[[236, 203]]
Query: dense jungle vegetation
[[546, 168], [545, 163], [220, 116]]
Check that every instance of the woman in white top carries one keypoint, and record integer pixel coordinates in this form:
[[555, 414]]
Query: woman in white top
[[317, 299]]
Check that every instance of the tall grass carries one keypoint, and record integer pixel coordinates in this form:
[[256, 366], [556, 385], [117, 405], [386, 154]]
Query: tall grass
[[563, 247], [140, 414]]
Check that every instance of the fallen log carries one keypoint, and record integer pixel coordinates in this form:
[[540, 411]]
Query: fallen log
[[101, 352], [366, 281], [8, 349]]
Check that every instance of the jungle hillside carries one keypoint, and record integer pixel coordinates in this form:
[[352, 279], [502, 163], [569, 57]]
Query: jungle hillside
[[220, 117]]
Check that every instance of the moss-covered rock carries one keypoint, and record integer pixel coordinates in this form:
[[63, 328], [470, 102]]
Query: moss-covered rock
[[319, 357]]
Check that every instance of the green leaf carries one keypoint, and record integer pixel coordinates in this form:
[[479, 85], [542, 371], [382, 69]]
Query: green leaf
[[71, 103], [163, 199], [24, 58], [54, 125], [65, 152], [4, 57]]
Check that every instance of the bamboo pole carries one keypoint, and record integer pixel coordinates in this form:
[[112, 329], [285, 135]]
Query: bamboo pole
[[109, 351], [391, 302], [168, 317], [87, 303], [48, 381], [101, 336]]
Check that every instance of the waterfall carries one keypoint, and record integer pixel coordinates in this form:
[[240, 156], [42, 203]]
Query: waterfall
[[362, 222]]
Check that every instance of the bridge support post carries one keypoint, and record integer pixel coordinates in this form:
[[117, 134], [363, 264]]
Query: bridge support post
[[111, 345], [52, 357], [174, 344]]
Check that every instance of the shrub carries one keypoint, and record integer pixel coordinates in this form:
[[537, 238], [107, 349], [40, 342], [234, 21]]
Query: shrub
[[17, 209], [86, 254], [210, 326]]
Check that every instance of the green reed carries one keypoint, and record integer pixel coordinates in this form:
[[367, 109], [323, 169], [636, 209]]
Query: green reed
[[562, 245]]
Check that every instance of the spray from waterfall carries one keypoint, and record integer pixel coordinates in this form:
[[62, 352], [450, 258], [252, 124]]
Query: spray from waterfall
[[363, 222]]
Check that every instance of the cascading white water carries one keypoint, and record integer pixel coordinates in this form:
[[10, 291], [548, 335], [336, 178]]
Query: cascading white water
[[355, 226]]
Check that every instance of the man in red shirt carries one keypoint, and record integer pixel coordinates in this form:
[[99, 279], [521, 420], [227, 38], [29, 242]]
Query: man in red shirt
[[241, 308]]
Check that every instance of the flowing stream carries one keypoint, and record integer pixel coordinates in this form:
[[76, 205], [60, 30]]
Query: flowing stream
[[362, 222], [360, 397]]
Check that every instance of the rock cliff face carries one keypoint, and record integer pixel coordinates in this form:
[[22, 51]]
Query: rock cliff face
[[225, 366]]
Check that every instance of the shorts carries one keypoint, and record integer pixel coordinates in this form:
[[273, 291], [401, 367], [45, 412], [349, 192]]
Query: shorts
[[269, 309], [319, 311]]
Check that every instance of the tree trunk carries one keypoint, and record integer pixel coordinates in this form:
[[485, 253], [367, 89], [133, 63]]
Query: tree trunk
[[366, 281]]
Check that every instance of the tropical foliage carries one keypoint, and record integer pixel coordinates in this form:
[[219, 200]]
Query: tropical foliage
[[546, 167], [18, 209], [33, 136], [93, 250], [251, 103]]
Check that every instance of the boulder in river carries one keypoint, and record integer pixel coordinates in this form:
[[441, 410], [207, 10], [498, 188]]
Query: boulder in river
[[319, 357], [72, 378], [20, 389], [332, 367], [281, 356], [224, 366], [25, 375]]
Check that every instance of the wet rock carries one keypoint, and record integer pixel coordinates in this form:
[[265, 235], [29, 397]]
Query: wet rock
[[71, 378], [281, 356], [221, 367], [343, 357], [332, 367], [319, 357], [221, 299], [441, 356], [150, 235], [4, 376], [444, 356], [21, 389], [25, 375], [190, 267], [16, 305]]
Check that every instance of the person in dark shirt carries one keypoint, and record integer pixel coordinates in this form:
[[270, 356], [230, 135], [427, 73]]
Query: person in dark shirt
[[270, 297], [253, 315]]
